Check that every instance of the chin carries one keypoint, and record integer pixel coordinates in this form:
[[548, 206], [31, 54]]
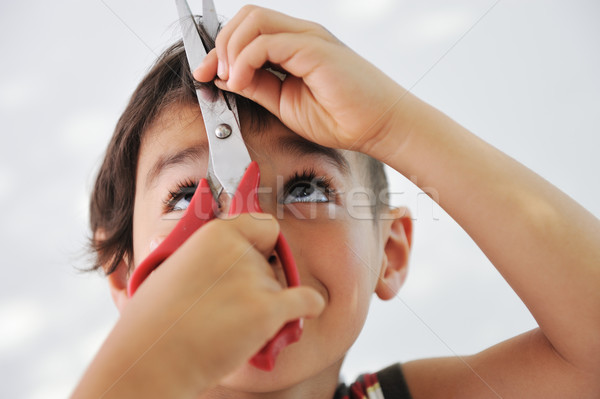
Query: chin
[[292, 368], [252, 380], [285, 374]]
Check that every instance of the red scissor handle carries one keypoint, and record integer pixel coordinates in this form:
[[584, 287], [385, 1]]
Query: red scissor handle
[[200, 211], [247, 192]]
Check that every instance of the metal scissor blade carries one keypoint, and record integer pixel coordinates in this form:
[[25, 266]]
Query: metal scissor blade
[[210, 20], [229, 156], [191, 37], [213, 180]]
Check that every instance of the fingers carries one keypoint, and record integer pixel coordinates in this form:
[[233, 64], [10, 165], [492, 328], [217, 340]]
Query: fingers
[[234, 250], [252, 22], [228, 241], [255, 37], [259, 230], [207, 70], [264, 89], [300, 302], [288, 50]]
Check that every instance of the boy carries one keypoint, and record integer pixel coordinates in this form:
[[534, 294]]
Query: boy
[[192, 326]]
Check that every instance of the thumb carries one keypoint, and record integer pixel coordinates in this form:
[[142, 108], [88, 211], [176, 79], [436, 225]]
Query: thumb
[[300, 302], [259, 229]]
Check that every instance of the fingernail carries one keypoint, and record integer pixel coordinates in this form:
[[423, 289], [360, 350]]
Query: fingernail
[[221, 69], [221, 84]]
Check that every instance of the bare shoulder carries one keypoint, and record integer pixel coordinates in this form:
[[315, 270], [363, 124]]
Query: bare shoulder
[[526, 366]]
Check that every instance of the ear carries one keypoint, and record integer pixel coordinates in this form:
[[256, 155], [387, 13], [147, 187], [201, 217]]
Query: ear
[[117, 280], [397, 238]]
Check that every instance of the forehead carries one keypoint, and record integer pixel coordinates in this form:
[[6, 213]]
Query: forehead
[[178, 134]]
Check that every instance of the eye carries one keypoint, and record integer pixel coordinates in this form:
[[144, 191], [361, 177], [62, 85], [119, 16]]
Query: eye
[[181, 202], [306, 187], [179, 198], [305, 192]]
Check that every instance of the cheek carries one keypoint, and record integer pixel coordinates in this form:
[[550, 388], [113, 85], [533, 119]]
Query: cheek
[[149, 229], [337, 258]]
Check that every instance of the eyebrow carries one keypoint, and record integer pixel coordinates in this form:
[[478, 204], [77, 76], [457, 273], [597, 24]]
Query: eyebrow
[[295, 145], [189, 154]]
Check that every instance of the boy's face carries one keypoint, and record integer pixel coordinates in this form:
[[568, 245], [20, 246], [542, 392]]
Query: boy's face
[[338, 253]]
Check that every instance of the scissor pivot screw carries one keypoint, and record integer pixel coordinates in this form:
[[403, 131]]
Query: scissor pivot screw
[[223, 131]]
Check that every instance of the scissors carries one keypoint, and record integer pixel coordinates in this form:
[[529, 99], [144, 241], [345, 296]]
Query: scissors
[[230, 172]]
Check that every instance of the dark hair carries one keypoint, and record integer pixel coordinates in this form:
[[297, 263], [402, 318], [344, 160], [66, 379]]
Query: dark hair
[[169, 82]]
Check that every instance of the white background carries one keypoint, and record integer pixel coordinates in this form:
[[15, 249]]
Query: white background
[[522, 75]]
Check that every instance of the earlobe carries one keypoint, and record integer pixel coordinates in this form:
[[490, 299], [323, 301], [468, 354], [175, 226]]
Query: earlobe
[[117, 281], [397, 238]]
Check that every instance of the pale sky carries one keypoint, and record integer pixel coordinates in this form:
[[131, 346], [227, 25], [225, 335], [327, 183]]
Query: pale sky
[[521, 75]]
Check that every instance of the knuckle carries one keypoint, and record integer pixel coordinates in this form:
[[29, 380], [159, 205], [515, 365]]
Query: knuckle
[[214, 228], [323, 33], [248, 8], [274, 228], [261, 217], [262, 41], [250, 222], [254, 13], [317, 27], [218, 235], [238, 249]]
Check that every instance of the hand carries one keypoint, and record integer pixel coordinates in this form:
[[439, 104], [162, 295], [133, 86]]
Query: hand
[[330, 96], [203, 314]]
